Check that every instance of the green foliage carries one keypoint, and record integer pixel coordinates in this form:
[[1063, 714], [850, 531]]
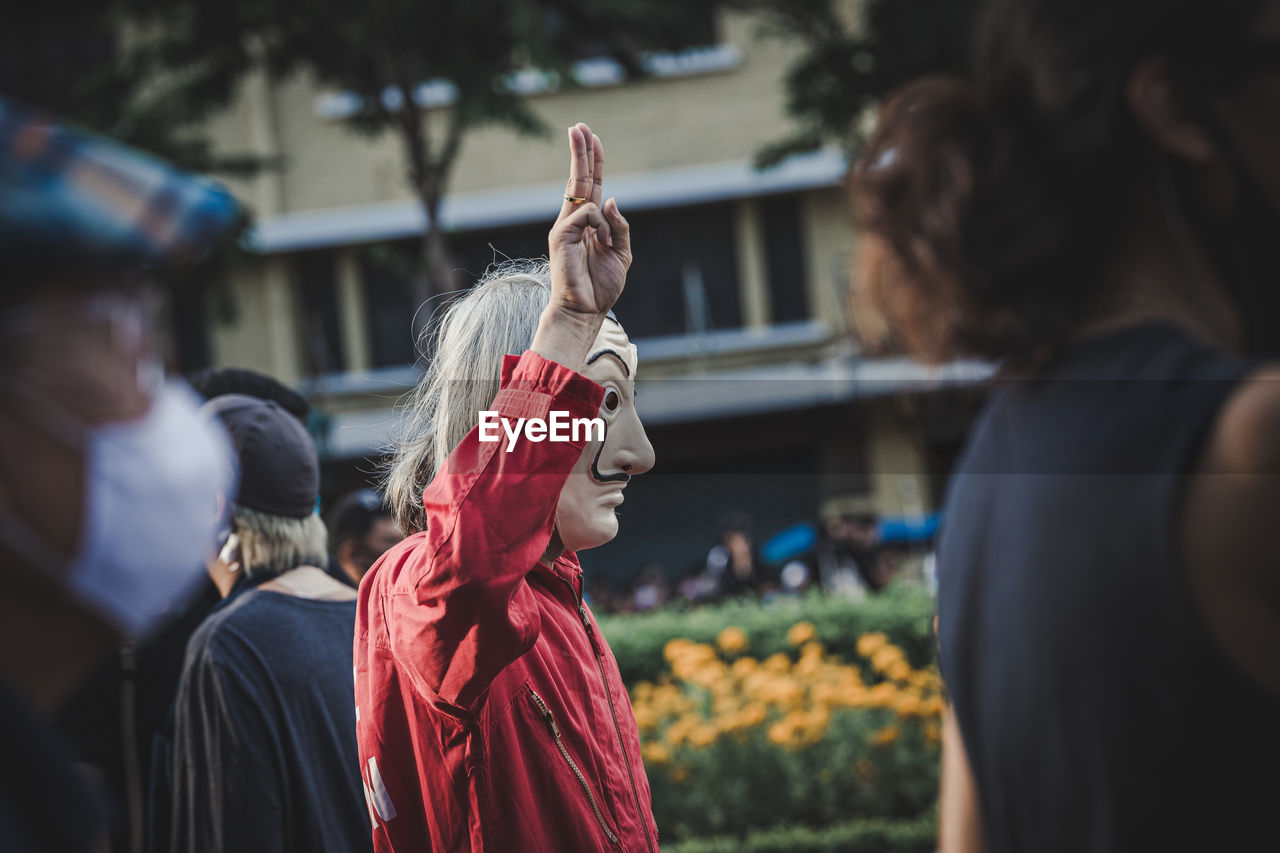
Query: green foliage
[[854, 55], [857, 836], [96, 63], [903, 611], [749, 783]]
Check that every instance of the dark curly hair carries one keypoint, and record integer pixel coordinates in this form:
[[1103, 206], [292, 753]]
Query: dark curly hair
[[992, 203]]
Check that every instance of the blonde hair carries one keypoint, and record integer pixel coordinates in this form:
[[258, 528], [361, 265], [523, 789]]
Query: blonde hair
[[274, 544], [468, 339]]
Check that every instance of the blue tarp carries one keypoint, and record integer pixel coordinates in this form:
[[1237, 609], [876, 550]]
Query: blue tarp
[[801, 538]]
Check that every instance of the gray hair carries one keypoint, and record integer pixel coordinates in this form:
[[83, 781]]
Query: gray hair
[[497, 317], [273, 544]]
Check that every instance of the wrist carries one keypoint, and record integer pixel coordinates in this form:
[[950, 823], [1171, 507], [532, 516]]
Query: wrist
[[565, 336]]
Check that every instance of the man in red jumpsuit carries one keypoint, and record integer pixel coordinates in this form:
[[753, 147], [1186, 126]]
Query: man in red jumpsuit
[[490, 711]]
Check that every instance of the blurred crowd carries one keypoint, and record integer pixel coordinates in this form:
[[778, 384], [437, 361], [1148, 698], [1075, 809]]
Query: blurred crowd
[[847, 553]]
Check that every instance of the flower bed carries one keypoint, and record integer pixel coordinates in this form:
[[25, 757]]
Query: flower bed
[[734, 742], [904, 612]]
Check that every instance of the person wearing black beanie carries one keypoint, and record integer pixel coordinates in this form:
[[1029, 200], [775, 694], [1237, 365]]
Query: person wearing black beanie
[[263, 722]]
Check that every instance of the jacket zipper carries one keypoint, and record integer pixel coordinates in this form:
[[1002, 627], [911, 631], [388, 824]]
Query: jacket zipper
[[591, 638], [573, 765]]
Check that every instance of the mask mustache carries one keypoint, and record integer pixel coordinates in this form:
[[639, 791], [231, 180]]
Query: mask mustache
[[620, 477]]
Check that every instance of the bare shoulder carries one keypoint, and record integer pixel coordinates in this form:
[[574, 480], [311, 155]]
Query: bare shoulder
[[1246, 437], [1228, 518]]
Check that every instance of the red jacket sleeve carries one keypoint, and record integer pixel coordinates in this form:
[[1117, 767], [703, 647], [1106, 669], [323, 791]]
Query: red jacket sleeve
[[490, 514]]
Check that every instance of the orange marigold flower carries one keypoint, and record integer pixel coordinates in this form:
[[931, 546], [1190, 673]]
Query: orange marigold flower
[[801, 633], [655, 753], [869, 644], [886, 736], [732, 640]]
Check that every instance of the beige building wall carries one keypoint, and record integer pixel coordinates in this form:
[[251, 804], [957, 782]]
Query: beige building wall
[[262, 331], [899, 479], [658, 123], [648, 126]]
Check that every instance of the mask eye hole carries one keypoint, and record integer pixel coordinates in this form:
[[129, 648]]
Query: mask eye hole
[[611, 401]]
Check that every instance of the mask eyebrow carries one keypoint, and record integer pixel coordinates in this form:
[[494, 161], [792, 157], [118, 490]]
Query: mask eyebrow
[[596, 357]]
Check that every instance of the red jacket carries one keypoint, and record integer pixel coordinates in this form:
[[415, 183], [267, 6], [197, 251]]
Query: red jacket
[[490, 712]]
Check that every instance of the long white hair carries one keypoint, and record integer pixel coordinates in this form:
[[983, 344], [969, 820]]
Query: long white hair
[[466, 342]]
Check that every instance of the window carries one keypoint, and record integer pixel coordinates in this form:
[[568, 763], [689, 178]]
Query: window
[[684, 279], [189, 333], [784, 253], [316, 285], [474, 252], [387, 270]]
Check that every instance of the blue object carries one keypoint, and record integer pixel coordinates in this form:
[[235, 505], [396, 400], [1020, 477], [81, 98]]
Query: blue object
[[73, 199], [790, 542], [905, 530]]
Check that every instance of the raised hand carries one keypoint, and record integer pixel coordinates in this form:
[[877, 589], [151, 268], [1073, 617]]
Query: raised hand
[[590, 243]]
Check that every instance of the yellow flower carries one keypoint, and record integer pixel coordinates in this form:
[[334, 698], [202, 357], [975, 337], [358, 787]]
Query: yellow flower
[[753, 714], [808, 666], [703, 736], [932, 733], [801, 633], [646, 717], [898, 670], [744, 666], [655, 753], [812, 649], [781, 733], [884, 657], [881, 696], [777, 662], [679, 773], [674, 648], [908, 705], [680, 730], [886, 736], [868, 644], [732, 641]]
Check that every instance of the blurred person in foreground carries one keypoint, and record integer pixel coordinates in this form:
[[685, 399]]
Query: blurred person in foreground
[[492, 715], [361, 529], [118, 722], [109, 478], [1101, 212], [264, 750]]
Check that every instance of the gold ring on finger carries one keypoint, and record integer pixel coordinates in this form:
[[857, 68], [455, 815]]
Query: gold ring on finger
[[574, 199]]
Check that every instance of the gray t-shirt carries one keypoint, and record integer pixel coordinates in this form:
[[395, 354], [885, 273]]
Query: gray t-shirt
[[264, 750]]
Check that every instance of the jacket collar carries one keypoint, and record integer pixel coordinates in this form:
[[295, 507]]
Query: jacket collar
[[565, 567]]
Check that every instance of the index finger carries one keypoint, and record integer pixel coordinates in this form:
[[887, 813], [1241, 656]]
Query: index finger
[[597, 169], [579, 185]]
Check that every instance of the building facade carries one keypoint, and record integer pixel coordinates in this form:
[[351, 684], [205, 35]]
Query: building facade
[[754, 388]]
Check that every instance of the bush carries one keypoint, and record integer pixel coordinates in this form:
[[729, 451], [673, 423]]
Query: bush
[[732, 743], [857, 836], [904, 612]]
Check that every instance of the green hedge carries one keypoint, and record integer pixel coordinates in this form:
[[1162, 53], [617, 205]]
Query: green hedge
[[858, 836], [903, 611]]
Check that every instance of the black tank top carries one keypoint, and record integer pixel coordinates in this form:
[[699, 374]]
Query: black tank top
[[1097, 712]]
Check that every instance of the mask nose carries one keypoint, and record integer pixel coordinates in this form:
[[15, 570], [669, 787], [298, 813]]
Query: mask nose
[[633, 454]]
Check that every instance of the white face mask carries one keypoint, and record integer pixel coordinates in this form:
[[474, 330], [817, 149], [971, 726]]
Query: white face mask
[[153, 488]]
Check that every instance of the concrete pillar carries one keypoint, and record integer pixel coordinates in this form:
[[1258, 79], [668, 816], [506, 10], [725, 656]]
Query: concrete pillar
[[828, 240], [280, 322], [352, 312], [753, 270]]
